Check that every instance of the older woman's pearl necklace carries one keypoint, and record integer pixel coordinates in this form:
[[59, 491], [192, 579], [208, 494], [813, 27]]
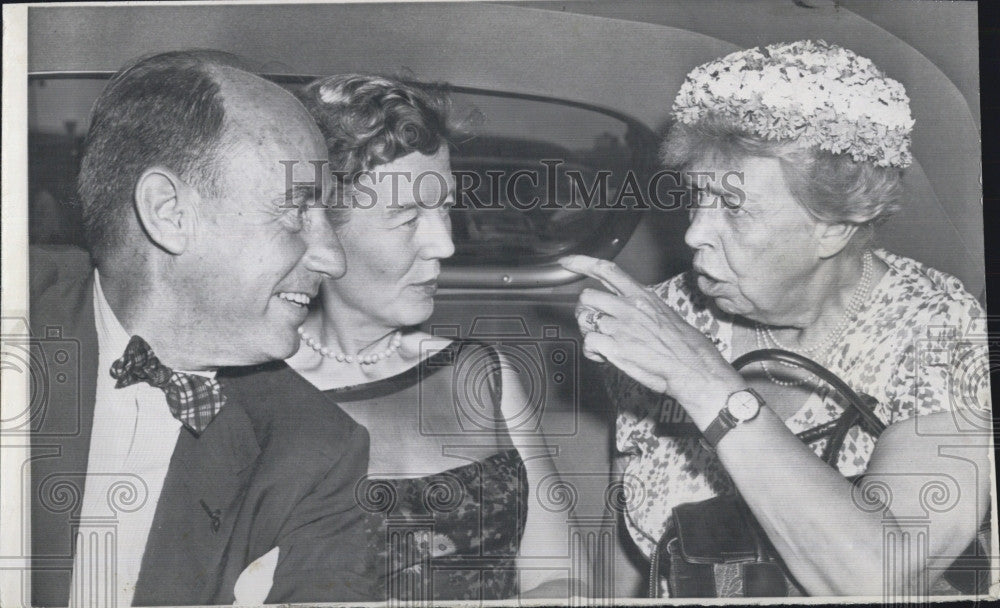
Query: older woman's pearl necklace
[[761, 344], [329, 353], [853, 306]]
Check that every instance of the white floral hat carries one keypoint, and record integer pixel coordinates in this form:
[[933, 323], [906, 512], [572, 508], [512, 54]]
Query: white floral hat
[[808, 91]]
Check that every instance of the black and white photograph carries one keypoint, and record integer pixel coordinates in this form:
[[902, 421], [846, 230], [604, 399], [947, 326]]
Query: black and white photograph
[[495, 303]]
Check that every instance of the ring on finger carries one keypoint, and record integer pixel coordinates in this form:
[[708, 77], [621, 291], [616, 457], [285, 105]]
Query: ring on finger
[[592, 320]]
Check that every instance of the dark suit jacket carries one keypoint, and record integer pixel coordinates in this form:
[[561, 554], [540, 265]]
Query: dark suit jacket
[[279, 464]]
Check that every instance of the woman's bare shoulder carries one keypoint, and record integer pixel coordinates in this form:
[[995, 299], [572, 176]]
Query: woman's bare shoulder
[[420, 344]]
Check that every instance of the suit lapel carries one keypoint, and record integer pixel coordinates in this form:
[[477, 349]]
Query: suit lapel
[[62, 322], [201, 496], [248, 465]]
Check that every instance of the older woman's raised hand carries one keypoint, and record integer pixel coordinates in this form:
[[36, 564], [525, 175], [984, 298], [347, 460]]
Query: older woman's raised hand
[[633, 329]]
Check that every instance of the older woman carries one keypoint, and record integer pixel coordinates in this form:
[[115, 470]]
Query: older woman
[[451, 515], [794, 152]]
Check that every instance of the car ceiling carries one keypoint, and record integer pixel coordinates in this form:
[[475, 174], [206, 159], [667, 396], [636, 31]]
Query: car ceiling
[[628, 56]]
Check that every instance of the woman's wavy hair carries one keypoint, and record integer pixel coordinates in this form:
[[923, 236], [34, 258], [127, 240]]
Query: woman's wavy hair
[[369, 120], [831, 187]]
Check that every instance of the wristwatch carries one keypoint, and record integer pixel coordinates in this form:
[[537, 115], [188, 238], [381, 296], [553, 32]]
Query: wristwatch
[[741, 406]]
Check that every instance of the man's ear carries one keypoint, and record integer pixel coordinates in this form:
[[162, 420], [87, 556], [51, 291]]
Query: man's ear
[[831, 238], [165, 206]]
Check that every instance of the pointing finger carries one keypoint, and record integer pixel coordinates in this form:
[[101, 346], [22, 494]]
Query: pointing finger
[[605, 271]]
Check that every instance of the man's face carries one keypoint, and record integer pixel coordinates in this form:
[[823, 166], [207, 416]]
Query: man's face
[[260, 260]]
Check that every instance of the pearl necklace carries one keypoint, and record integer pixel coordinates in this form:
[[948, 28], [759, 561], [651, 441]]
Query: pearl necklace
[[325, 351], [821, 350], [761, 344]]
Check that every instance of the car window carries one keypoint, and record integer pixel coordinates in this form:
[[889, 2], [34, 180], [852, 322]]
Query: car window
[[547, 178], [536, 177]]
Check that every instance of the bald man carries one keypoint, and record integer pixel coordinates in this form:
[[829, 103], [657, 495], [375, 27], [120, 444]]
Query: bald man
[[182, 452]]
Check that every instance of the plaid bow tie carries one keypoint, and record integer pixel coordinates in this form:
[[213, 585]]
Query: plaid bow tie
[[193, 399]]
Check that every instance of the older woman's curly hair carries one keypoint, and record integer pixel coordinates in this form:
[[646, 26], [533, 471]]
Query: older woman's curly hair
[[369, 120], [832, 187]]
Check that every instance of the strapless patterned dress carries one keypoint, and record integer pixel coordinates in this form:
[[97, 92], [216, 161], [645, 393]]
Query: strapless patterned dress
[[453, 535]]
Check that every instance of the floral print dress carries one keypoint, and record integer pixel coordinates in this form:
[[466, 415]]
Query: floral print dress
[[917, 346]]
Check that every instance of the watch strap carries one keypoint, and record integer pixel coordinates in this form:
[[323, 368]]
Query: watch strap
[[718, 428]]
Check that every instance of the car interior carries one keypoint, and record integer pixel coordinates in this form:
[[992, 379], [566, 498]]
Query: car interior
[[574, 94]]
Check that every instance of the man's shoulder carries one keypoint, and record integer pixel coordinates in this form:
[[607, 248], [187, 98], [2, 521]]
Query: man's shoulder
[[54, 269], [58, 277], [284, 408], [49, 265]]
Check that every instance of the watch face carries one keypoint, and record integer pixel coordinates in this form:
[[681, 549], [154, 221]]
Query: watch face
[[743, 405]]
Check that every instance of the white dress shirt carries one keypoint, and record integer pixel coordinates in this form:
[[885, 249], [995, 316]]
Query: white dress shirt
[[133, 438]]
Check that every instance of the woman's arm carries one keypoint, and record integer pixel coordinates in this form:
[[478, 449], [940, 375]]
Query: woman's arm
[[843, 540], [545, 561], [836, 539]]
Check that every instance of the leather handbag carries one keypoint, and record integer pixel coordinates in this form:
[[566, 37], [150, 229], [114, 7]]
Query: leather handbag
[[716, 548]]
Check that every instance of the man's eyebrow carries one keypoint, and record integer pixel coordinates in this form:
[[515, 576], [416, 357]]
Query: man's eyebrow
[[400, 207], [298, 192]]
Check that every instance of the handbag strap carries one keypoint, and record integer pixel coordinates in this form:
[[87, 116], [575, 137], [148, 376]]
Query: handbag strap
[[861, 411], [862, 408]]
